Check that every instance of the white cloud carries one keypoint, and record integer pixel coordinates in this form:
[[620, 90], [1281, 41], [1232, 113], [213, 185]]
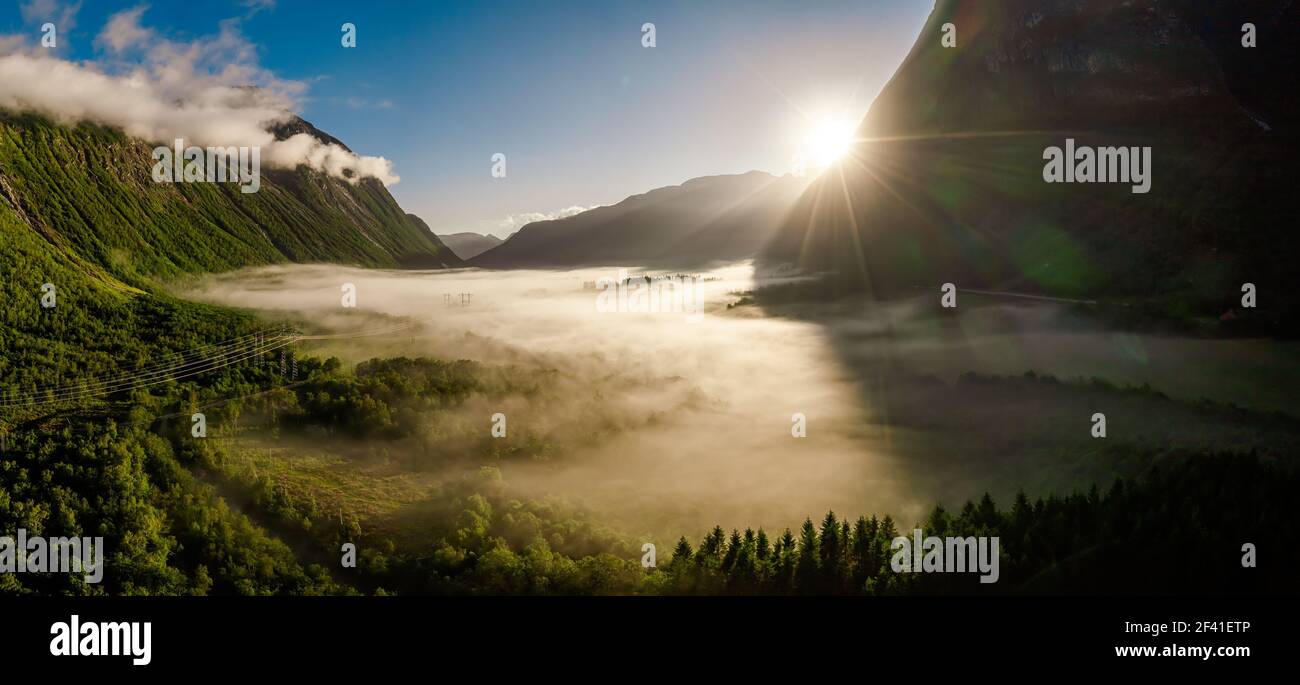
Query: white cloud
[[12, 42], [514, 222], [158, 90], [123, 30], [258, 5], [361, 103], [62, 14]]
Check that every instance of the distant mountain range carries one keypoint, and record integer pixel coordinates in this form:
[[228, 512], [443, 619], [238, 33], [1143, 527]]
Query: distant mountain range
[[86, 196], [468, 245], [948, 182], [702, 221]]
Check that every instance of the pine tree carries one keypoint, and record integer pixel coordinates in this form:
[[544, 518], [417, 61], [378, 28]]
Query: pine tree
[[844, 570], [1021, 510], [860, 551], [785, 563], [745, 572], [830, 551], [937, 523], [762, 558], [682, 553], [805, 573], [988, 514], [883, 539], [710, 550], [733, 549]]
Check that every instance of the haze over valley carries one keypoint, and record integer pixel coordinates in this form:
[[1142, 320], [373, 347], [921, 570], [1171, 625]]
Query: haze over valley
[[663, 424], [509, 302]]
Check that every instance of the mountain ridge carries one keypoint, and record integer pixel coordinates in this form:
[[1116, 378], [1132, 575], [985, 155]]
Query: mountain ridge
[[468, 245], [703, 220], [946, 184], [87, 191]]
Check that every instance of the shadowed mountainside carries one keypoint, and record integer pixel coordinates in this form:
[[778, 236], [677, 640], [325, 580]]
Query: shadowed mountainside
[[946, 183], [469, 245], [704, 220]]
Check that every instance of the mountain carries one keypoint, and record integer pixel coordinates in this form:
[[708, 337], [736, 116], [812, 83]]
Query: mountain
[[79, 211], [704, 220], [89, 376], [947, 182], [87, 192], [469, 245]]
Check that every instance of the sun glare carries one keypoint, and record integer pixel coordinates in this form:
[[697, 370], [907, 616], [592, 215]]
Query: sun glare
[[828, 141]]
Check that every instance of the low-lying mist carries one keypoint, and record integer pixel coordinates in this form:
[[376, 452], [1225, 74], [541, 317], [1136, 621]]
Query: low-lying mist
[[693, 418], [667, 424]]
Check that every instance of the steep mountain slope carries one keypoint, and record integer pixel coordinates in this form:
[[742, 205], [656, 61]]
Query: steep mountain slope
[[708, 219], [87, 192], [469, 245], [80, 455], [80, 211], [947, 184]]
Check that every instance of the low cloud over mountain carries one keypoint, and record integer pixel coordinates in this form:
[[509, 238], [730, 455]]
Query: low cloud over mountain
[[209, 92]]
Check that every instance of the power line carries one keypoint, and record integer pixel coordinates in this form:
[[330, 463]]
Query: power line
[[201, 360]]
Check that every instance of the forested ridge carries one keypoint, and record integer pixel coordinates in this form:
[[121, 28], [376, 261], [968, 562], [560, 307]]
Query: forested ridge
[[1178, 529]]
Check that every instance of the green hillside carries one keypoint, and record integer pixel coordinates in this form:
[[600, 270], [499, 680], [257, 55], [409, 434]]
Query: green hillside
[[79, 211], [88, 194]]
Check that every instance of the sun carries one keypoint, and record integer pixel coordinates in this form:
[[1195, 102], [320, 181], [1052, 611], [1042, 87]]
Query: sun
[[828, 141]]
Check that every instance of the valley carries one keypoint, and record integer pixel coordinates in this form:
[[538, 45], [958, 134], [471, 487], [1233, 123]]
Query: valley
[[620, 418], [289, 384]]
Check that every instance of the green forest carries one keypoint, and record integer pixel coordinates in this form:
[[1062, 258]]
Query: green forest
[[128, 469]]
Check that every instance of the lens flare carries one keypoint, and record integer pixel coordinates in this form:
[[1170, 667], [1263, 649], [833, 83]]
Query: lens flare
[[828, 141]]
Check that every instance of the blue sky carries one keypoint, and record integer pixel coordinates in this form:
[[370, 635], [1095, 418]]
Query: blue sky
[[583, 112]]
